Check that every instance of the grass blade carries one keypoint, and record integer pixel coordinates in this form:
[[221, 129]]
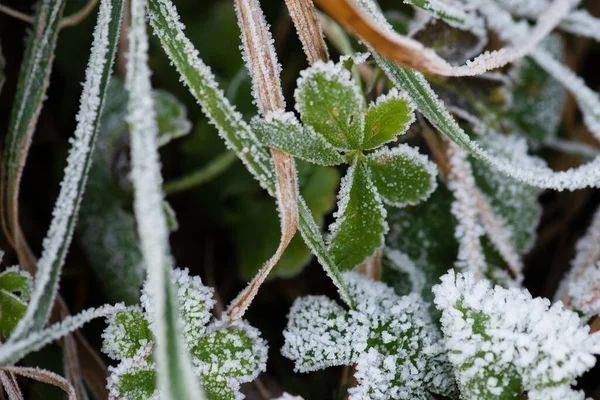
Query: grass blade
[[31, 90], [174, 368], [232, 128], [59, 234], [15, 349], [428, 103]]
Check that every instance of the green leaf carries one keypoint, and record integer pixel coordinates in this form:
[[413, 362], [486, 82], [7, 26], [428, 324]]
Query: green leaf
[[127, 333], [171, 116], [283, 131], [237, 352], [59, 234], [360, 219], [15, 288], [232, 128], [133, 381], [388, 117], [34, 76], [228, 357], [320, 317], [331, 102], [472, 312], [402, 175], [538, 98]]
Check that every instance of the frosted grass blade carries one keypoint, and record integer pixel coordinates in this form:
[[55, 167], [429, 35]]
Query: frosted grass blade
[[64, 216], [31, 90], [428, 103], [13, 350], [174, 369], [232, 128]]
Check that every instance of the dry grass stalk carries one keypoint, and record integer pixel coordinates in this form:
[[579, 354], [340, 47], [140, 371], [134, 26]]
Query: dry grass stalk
[[309, 30], [264, 70], [411, 54]]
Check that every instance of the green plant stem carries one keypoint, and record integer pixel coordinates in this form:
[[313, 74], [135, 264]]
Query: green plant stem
[[214, 168]]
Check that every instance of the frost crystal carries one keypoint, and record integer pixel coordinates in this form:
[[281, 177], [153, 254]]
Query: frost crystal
[[224, 354], [503, 342], [392, 339]]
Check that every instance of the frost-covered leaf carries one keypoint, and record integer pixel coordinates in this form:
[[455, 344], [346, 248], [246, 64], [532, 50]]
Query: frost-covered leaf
[[331, 102], [127, 333], [34, 76], [584, 291], [387, 118], [538, 98], [58, 237], [516, 203], [16, 348], [195, 304], [171, 116], [503, 342], [15, 288], [360, 219], [402, 175], [283, 131], [236, 353], [319, 334], [392, 338], [132, 380]]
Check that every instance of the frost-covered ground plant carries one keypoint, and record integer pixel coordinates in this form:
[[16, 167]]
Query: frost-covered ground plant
[[442, 154], [503, 342], [224, 354], [392, 340]]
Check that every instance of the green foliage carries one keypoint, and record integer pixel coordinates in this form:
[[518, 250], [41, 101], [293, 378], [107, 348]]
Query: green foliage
[[284, 132], [328, 100], [511, 341], [15, 289], [402, 175], [332, 109], [360, 219], [224, 354], [391, 339]]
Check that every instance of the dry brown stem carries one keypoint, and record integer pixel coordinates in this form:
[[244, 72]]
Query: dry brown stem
[[264, 70], [307, 25]]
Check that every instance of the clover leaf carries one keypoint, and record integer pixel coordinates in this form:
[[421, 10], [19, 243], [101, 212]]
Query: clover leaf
[[338, 127]]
